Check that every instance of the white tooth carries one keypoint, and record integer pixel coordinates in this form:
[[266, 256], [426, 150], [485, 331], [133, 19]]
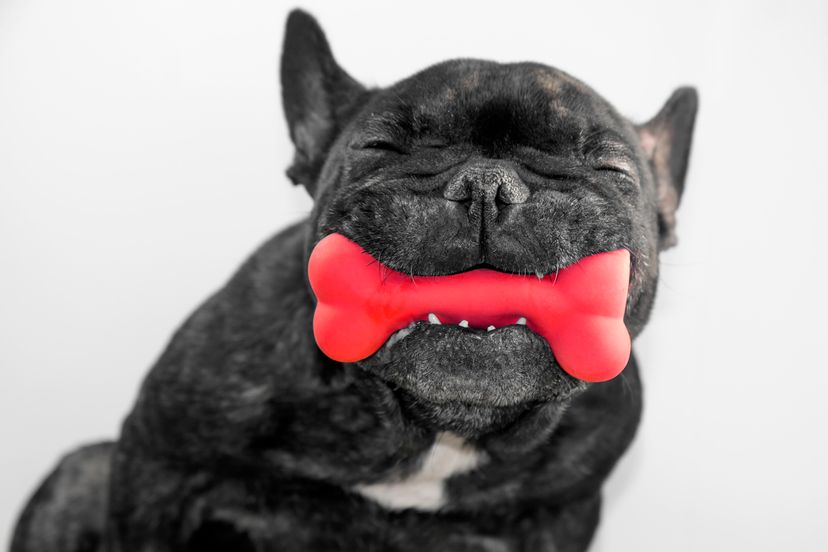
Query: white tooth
[[539, 274], [490, 329], [433, 318], [464, 324], [521, 321]]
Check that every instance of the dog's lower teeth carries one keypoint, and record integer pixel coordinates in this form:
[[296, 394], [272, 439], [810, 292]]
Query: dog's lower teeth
[[432, 318]]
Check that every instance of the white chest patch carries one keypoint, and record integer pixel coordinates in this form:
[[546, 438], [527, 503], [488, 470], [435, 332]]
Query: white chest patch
[[425, 488]]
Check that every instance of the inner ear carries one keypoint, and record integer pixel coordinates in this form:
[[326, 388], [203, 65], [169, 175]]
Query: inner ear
[[318, 96], [666, 140]]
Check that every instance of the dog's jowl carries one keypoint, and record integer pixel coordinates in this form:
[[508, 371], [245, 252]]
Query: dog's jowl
[[458, 432]]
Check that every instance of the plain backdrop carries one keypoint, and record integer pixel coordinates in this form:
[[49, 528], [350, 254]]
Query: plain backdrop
[[142, 157]]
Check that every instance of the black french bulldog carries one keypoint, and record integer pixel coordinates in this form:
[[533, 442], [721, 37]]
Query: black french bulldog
[[245, 437]]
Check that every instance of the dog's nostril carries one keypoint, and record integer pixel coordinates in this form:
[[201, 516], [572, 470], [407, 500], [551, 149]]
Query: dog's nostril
[[512, 191], [457, 190]]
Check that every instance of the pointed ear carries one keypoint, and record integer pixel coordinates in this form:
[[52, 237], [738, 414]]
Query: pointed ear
[[318, 96], [666, 140]]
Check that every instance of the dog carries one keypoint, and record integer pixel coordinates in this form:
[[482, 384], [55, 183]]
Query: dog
[[246, 437]]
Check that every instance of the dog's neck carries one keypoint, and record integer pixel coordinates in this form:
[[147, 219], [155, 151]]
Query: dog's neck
[[425, 488]]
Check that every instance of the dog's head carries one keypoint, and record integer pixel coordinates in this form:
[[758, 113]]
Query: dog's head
[[519, 168]]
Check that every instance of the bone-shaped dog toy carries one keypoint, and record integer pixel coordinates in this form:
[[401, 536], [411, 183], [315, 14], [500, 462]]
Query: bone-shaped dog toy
[[579, 310]]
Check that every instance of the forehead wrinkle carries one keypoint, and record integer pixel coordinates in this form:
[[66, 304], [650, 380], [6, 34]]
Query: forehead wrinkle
[[459, 89], [574, 104], [547, 104]]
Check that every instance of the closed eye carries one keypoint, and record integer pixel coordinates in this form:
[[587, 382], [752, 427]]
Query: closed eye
[[434, 168], [620, 169], [612, 168], [433, 144], [548, 166], [383, 145]]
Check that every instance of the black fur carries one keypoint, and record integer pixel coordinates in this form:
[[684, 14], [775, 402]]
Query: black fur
[[245, 437]]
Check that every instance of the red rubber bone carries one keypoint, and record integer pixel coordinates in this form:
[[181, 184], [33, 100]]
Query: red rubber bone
[[579, 310]]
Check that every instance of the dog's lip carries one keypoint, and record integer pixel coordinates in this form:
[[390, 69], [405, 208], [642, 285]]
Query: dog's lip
[[471, 331], [476, 384], [537, 272]]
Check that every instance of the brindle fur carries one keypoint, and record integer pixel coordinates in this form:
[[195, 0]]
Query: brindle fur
[[245, 437]]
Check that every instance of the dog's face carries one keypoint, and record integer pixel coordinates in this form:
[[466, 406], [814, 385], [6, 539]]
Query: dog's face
[[516, 167]]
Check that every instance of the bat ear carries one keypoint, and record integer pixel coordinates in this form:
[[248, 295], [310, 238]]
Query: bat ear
[[318, 96], [666, 140]]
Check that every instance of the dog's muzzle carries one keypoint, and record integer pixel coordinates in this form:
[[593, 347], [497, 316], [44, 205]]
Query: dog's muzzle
[[579, 310]]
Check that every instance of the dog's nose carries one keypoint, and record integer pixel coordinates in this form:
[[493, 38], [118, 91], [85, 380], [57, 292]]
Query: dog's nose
[[486, 188]]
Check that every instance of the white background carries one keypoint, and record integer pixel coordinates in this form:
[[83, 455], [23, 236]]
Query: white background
[[142, 150]]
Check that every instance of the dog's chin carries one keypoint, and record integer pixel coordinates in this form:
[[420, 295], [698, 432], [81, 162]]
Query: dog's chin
[[472, 382]]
